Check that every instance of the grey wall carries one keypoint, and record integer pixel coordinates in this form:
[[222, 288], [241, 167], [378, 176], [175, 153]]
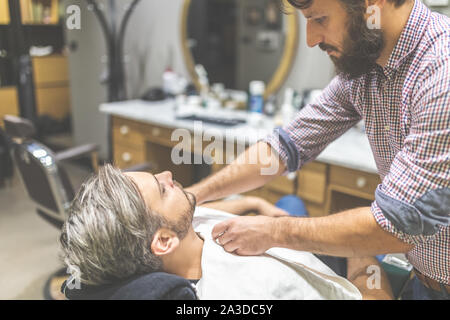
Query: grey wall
[[153, 31], [85, 66]]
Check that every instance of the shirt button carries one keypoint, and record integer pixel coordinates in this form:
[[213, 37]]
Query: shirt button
[[387, 128]]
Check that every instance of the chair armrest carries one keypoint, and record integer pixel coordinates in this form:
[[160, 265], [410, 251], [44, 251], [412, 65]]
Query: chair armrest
[[77, 152], [145, 166]]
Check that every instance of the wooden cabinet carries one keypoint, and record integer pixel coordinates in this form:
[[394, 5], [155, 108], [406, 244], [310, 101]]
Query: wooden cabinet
[[312, 182], [127, 156], [54, 102], [52, 91], [51, 80], [324, 188], [282, 184], [40, 27], [50, 70], [4, 12], [135, 142], [8, 102], [356, 183], [349, 189], [128, 133]]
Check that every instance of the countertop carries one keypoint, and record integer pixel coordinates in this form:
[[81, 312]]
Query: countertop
[[351, 150]]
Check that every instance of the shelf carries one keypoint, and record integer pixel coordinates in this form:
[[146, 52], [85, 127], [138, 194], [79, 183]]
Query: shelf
[[31, 26], [38, 11], [38, 25]]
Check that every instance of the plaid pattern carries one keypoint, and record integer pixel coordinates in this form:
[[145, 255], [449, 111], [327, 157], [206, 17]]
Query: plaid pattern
[[406, 110]]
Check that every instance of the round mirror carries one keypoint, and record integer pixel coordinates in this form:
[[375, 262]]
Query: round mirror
[[238, 41]]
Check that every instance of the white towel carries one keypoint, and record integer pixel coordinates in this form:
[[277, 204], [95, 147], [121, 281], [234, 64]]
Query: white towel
[[278, 274]]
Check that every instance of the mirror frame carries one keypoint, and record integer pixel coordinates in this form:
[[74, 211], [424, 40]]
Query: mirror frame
[[286, 61]]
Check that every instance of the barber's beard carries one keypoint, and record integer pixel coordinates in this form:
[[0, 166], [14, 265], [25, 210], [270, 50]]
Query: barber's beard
[[362, 47]]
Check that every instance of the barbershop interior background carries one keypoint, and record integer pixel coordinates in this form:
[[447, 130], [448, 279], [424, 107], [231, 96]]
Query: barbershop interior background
[[93, 93]]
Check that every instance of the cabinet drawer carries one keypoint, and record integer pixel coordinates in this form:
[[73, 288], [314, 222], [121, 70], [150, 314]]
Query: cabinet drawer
[[50, 70], [312, 182], [161, 135], [126, 156], [282, 184], [271, 195], [360, 182], [128, 133], [54, 102]]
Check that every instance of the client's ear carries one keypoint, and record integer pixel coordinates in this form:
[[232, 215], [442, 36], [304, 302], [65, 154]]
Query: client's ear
[[164, 242]]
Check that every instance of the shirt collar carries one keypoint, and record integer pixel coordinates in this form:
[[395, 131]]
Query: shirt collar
[[410, 37]]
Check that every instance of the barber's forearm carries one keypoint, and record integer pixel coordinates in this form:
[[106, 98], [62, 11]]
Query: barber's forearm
[[252, 169], [352, 233], [236, 206]]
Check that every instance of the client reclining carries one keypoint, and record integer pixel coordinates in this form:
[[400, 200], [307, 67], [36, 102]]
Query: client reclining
[[125, 224]]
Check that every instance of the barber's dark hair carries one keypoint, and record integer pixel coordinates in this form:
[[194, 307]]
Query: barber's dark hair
[[304, 4]]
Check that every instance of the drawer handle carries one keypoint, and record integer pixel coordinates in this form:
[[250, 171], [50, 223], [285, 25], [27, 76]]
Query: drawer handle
[[126, 156], [361, 182], [291, 176], [124, 130]]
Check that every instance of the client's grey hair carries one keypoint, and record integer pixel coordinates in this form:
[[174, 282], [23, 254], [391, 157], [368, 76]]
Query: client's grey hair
[[108, 233]]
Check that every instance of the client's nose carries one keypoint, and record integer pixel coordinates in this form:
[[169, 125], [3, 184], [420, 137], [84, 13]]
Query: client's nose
[[165, 177]]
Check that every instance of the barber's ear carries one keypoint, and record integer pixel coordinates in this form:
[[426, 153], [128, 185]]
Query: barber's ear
[[164, 242]]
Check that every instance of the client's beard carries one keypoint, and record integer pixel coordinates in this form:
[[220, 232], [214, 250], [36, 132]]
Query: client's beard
[[362, 48], [182, 225]]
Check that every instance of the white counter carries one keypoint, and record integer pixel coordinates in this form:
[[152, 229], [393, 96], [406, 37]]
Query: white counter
[[352, 150]]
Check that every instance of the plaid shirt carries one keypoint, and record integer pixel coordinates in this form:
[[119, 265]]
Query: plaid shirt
[[406, 110]]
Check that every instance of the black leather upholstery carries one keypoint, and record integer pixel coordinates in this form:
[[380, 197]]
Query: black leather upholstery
[[152, 286]]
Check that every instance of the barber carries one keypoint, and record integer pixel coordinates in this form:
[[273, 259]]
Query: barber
[[397, 78]]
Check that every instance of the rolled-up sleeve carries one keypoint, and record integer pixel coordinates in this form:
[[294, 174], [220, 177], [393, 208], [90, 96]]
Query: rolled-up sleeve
[[315, 126], [413, 201]]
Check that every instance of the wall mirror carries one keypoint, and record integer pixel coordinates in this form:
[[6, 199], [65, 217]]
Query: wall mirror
[[238, 41]]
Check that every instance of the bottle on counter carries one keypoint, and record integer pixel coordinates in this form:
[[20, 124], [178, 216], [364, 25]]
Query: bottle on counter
[[256, 101], [270, 107], [205, 90], [169, 81]]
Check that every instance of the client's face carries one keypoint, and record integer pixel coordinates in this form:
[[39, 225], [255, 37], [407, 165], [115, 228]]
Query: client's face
[[165, 196]]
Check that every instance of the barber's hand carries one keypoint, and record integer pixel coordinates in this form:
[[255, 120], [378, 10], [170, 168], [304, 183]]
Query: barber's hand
[[265, 208], [245, 235]]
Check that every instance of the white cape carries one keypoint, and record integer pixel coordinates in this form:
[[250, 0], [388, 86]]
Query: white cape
[[278, 274]]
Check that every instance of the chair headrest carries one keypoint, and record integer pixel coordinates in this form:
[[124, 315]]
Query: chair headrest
[[17, 127]]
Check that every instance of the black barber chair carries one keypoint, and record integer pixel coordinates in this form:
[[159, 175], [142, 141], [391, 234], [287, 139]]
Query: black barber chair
[[6, 168], [45, 180], [48, 186]]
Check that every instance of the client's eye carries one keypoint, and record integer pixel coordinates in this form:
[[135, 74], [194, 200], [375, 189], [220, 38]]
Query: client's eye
[[320, 20]]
